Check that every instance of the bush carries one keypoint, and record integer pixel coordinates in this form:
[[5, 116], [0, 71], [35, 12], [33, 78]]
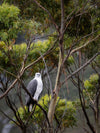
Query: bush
[[65, 112]]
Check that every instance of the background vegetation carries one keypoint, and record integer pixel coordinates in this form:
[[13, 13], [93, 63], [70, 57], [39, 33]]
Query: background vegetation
[[61, 40]]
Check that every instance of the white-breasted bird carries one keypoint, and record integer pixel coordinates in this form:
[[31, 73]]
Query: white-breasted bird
[[35, 87]]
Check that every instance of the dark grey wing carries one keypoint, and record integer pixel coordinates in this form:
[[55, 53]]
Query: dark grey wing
[[32, 86]]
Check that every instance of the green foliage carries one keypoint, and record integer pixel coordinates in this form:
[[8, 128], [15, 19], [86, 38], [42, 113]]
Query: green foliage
[[30, 28], [94, 79], [9, 22], [40, 47], [91, 86], [83, 23], [11, 56], [65, 112], [23, 113], [69, 61], [14, 54], [92, 82], [89, 92], [53, 58], [77, 104]]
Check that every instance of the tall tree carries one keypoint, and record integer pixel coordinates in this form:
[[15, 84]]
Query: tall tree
[[74, 32]]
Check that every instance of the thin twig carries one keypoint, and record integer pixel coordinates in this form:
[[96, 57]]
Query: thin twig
[[9, 117], [25, 68], [30, 115], [82, 67], [52, 19], [88, 42], [47, 74]]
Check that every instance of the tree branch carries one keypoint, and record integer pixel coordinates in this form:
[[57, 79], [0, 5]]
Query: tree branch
[[47, 74], [52, 19], [9, 118], [23, 70], [88, 42], [82, 67]]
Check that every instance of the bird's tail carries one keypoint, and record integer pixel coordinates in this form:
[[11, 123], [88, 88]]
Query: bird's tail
[[30, 107]]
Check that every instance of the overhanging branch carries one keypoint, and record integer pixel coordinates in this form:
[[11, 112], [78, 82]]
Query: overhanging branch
[[82, 67], [23, 69]]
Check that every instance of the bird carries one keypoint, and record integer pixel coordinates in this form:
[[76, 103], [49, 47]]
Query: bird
[[35, 87]]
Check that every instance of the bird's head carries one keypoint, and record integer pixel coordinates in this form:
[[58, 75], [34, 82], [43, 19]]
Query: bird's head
[[37, 75]]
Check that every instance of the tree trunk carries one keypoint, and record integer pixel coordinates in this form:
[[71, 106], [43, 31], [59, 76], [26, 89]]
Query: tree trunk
[[55, 94], [52, 106], [97, 127], [24, 130]]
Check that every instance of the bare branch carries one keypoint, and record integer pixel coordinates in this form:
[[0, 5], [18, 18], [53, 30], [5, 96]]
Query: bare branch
[[82, 67], [45, 113], [30, 115], [83, 108], [74, 43], [52, 19], [88, 42], [9, 117], [33, 63], [23, 70], [47, 74]]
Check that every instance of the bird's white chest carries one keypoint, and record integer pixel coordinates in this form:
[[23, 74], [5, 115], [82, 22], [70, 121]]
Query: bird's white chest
[[39, 89]]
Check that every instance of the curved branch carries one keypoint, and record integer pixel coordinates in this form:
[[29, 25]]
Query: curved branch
[[45, 113], [52, 19], [80, 68], [23, 70], [48, 52], [9, 118], [77, 49], [71, 50]]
